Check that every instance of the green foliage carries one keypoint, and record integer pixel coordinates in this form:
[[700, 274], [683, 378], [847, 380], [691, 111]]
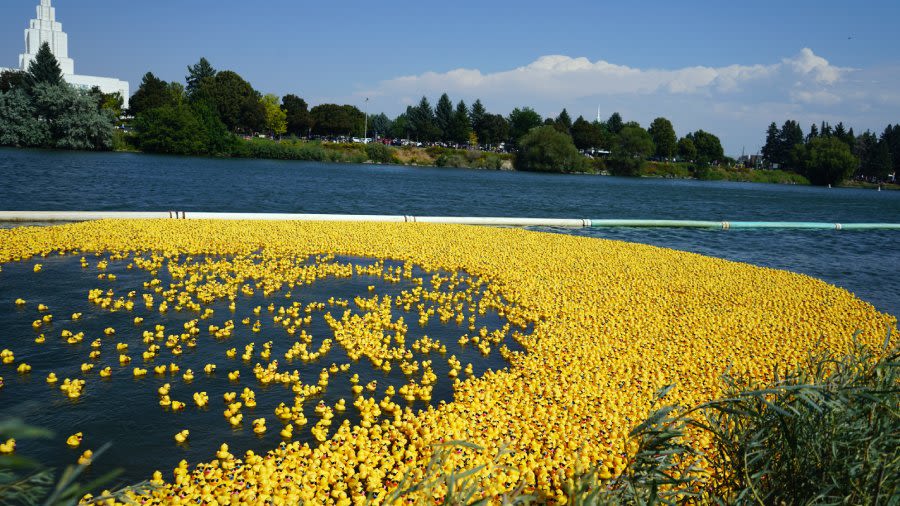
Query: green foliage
[[663, 134], [198, 74], [546, 149], [459, 125], [152, 93], [380, 124], [709, 147], [494, 130], [687, 151], [296, 112], [26, 482], [183, 129], [276, 118], [379, 153], [587, 135], [563, 122], [333, 119], [826, 160], [55, 116], [44, 69], [19, 124], [615, 124], [422, 122], [11, 79], [238, 105], [632, 147], [521, 121], [443, 117]]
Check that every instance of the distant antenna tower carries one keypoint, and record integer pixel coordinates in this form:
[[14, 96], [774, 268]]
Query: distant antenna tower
[[598, 114]]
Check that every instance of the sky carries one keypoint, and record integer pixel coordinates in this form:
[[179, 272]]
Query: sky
[[729, 68]]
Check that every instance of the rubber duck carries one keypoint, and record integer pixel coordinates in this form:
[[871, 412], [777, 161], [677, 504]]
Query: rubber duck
[[51, 378], [40, 339], [201, 399], [139, 373], [106, 372], [109, 331], [42, 308], [74, 441], [8, 447], [20, 302], [85, 458], [23, 368], [138, 320], [259, 426], [76, 316], [287, 432], [188, 376], [234, 375], [229, 396], [177, 405], [209, 368], [182, 436]]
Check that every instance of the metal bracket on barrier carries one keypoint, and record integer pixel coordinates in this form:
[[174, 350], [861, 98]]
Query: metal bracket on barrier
[[726, 225]]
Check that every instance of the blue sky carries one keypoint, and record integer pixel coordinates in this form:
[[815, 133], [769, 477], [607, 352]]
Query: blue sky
[[727, 67]]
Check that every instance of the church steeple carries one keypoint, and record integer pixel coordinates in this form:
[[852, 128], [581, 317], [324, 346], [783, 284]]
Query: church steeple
[[43, 29]]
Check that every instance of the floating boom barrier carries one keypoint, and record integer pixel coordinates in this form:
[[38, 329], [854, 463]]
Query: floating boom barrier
[[73, 216]]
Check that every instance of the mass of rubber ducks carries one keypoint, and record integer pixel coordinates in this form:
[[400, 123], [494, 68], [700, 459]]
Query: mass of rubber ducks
[[603, 325]]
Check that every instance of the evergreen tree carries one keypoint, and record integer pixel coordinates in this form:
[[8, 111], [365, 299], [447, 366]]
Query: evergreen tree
[[494, 130], [152, 93], [43, 69], [521, 121], [563, 122], [614, 124], [813, 132], [459, 125], [197, 73], [443, 117], [476, 117], [422, 121], [772, 148]]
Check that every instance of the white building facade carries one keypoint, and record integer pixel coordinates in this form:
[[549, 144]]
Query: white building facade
[[46, 29]]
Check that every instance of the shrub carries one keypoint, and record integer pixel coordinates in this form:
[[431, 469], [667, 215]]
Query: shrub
[[546, 149], [378, 152]]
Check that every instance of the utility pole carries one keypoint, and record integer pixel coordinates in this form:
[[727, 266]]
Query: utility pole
[[366, 127]]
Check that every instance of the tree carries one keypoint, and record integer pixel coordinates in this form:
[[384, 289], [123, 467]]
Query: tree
[[380, 124], [521, 121], [459, 125], [11, 79], [476, 117], [891, 137], [170, 129], [789, 136], [276, 119], [400, 127], [614, 124], [826, 160], [296, 113], [586, 135], [443, 117], [687, 151], [43, 69], [563, 122], [813, 132], [494, 130], [771, 149], [19, 124], [197, 74], [422, 121], [663, 134], [546, 149], [73, 117], [632, 148], [237, 103], [709, 147], [337, 120], [152, 93]]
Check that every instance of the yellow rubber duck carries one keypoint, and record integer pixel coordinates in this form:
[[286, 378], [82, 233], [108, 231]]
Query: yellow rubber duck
[[106, 372], [177, 405], [229, 396], [42, 308], [209, 368], [188, 376], [8, 447], [85, 458], [40, 339], [51, 378], [20, 302], [138, 320], [234, 375], [76, 316], [287, 432], [259, 425], [23, 368], [182, 436], [139, 373], [74, 441]]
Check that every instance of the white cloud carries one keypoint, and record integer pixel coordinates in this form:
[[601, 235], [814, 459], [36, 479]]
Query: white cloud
[[730, 99]]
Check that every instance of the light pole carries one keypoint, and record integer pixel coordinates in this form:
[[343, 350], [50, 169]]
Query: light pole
[[366, 127]]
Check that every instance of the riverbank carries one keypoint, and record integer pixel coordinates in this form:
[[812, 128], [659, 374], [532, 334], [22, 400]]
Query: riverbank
[[436, 156]]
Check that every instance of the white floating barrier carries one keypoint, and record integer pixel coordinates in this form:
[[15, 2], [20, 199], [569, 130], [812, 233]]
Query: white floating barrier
[[72, 216]]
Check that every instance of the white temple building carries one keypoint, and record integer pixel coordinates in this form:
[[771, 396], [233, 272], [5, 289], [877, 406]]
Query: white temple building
[[46, 29]]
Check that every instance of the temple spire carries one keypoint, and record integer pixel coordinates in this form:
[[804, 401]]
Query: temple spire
[[45, 29]]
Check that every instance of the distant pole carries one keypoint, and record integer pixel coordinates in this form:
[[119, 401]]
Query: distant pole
[[366, 127]]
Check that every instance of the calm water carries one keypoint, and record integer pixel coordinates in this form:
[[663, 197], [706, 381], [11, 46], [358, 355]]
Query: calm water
[[866, 263]]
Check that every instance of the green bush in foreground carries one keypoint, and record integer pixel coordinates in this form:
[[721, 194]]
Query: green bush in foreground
[[824, 433]]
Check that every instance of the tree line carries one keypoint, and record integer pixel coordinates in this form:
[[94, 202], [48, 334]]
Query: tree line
[[39, 109], [829, 154]]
